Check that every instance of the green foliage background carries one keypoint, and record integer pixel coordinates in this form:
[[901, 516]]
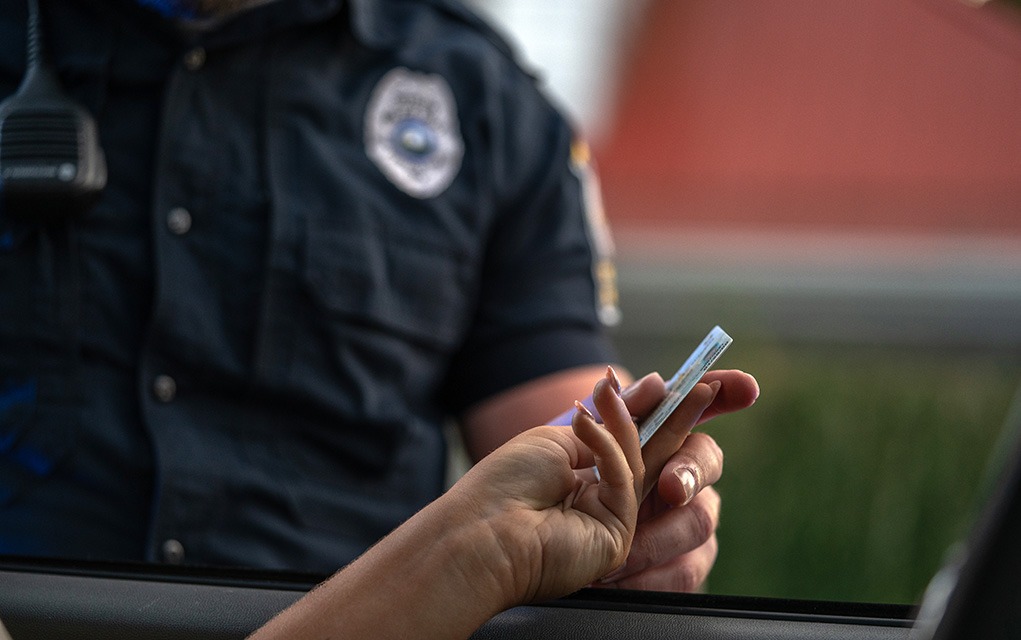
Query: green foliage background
[[858, 468]]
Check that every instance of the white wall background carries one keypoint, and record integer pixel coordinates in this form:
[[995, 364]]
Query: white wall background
[[576, 47]]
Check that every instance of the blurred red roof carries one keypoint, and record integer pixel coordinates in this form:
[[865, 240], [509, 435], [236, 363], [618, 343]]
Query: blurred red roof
[[887, 114]]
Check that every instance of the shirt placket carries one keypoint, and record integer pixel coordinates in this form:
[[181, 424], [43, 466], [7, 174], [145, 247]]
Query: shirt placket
[[182, 502]]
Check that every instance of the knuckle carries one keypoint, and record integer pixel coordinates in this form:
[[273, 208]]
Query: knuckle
[[702, 445], [704, 520], [712, 496], [704, 454], [688, 577], [644, 550], [695, 567]]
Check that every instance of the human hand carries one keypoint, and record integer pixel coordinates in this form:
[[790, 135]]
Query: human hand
[[675, 544], [554, 528], [528, 522]]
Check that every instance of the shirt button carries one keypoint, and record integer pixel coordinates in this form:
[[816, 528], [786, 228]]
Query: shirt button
[[173, 551], [164, 388], [179, 221], [194, 59]]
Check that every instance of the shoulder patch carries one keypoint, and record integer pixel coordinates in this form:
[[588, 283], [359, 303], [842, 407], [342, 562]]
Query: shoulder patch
[[412, 132], [604, 270]]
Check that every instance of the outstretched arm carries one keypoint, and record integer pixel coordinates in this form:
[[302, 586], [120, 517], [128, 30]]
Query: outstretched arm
[[526, 523]]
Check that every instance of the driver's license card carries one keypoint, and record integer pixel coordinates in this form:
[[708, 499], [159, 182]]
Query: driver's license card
[[700, 360]]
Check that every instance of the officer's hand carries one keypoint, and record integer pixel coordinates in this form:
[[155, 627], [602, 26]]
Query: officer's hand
[[675, 544]]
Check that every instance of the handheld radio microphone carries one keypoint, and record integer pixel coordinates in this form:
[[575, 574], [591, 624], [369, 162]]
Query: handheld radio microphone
[[51, 164]]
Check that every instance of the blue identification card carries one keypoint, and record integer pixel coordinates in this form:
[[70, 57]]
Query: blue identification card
[[677, 387]]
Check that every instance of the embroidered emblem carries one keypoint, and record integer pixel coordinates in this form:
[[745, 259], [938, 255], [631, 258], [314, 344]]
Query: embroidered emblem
[[412, 133], [604, 270]]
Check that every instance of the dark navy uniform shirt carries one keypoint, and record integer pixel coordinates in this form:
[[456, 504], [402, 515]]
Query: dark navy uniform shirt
[[328, 228]]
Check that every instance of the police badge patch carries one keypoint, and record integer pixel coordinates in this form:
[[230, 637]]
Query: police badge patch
[[412, 133]]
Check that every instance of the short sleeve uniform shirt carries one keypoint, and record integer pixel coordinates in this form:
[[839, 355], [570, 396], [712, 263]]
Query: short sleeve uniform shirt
[[329, 228]]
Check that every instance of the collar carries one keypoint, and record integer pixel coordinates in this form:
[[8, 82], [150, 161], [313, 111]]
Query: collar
[[376, 24], [382, 24]]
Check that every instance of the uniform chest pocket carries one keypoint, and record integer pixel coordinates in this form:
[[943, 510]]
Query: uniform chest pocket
[[390, 283]]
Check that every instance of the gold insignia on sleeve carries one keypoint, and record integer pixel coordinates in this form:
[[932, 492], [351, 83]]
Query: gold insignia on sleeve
[[604, 271]]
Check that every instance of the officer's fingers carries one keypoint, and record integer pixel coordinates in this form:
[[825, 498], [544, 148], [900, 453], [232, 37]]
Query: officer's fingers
[[668, 440], [698, 464], [686, 572], [642, 395], [738, 390]]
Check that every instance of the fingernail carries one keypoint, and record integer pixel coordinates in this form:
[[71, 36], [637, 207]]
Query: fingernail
[[611, 375], [583, 409], [687, 479], [715, 386]]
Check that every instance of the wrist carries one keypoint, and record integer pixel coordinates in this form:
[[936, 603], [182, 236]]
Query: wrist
[[445, 567], [474, 552], [432, 577]]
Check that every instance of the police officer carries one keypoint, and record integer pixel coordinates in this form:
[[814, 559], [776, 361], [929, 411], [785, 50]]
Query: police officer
[[329, 226]]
